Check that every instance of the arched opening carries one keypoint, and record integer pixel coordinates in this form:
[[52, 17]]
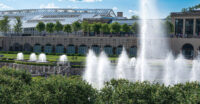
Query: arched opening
[[82, 49], [108, 50], [188, 51], [37, 48], [133, 51], [28, 47], [96, 49], [17, 47], [119, 50], [48, 48], [71, 49], [59, 48]]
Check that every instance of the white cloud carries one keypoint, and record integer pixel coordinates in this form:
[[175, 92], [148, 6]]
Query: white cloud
[[115, 8], [133, 12], [86, 0], [60, 0], [3, 6], [49, 5]]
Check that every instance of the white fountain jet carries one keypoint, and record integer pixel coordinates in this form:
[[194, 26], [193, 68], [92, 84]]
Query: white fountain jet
[[90, 73], [33, 57], [20, 56], [63, 59], [180, 70], [42, 58], [194, 76], [153, 44], [104, 70], [169, 71], [123, 69]]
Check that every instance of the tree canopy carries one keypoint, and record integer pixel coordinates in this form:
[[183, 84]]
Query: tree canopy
[[40, 26], [4, 24], [58, 26], [50, 27], [18, 25]]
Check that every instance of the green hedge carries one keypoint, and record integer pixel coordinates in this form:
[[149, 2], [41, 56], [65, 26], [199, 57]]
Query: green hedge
[[34, 63], [17, 87]]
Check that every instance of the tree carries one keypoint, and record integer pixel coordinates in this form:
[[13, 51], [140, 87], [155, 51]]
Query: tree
[[67, 28], [18, 25], [135, 17], [4, 24], [96, 28], [50, 27], [115, 27], [184, 10], [105, 28], [40, 26], [85, 27], [125, 28], [58, 26], [169, 27], [76, 26], [135, 28]]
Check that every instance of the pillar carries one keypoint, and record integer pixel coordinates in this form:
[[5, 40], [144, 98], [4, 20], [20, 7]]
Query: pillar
[[184, 26], [194, 27]]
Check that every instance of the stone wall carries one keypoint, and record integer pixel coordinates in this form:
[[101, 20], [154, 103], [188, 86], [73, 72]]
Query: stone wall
[[44, 70]]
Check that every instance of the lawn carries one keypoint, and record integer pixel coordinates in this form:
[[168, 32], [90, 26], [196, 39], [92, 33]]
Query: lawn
[[53, 57]]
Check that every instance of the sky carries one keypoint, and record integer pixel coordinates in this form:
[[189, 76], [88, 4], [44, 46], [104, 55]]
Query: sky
[[129, 7]]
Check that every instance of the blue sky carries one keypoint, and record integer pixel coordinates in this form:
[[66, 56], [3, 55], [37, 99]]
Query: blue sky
[[129, 7]]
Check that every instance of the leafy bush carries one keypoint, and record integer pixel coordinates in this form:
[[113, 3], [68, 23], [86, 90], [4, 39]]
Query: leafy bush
[[17, 87]]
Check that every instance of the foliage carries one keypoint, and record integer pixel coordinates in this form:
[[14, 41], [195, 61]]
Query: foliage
[[125, 28], [135, 28], [115, 27], [85, 26], [58, 26], [17, 87], [4, 24], [96, 28], [40, 26], [135, 17], [191, 8], [18, 25], [50, 27], [67, 28], [105, 28], [76, 26], [124, 92], [169, 27]]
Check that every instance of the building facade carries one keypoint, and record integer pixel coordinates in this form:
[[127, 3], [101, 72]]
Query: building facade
[[189, 47], [186, 24]]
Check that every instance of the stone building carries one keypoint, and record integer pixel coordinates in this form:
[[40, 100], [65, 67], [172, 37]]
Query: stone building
[[186, 24]]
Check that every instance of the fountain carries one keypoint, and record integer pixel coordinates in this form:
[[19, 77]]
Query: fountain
[[154, 63], [63, 59], [91, 64], [104, 70], [42, 58], [122, 70], [33, 57], [20, 56]]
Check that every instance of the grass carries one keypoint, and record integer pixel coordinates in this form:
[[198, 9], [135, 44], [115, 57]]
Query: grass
[[53, 57]]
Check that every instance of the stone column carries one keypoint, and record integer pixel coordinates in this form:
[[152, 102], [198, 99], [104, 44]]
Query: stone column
[[194, 27], [184, 26]]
